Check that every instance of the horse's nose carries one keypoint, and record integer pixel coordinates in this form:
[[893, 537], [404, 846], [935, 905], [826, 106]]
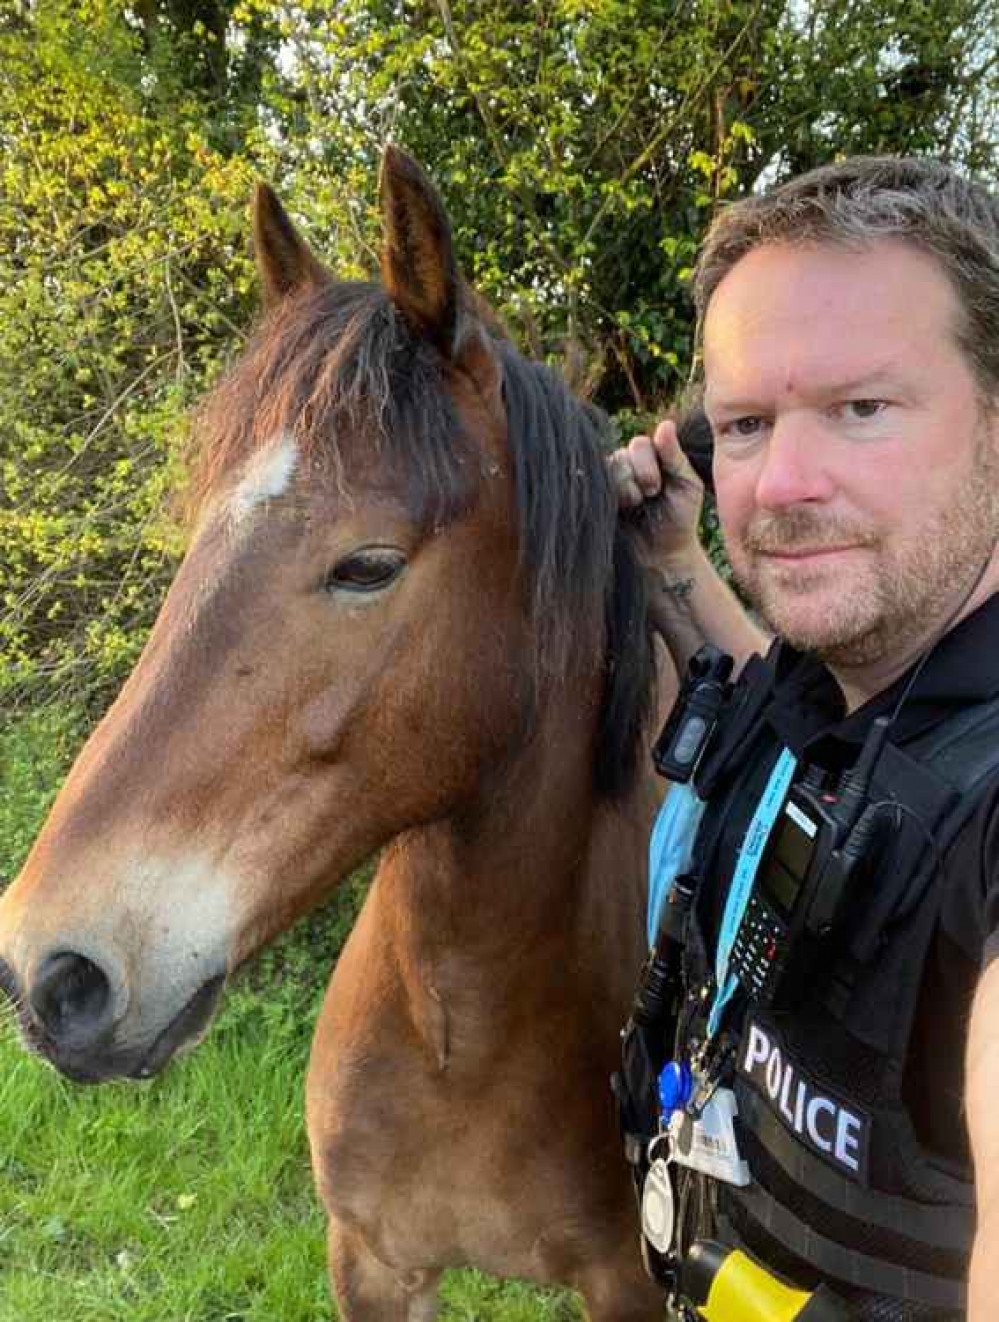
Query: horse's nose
[[71, 997]]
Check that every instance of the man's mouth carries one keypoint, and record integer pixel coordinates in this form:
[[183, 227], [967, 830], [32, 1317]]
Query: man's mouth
[[798, 554]]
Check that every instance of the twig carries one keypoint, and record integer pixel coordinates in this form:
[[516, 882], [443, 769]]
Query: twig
[[603, 140], [110, 410], [622, 356], [181, 361]]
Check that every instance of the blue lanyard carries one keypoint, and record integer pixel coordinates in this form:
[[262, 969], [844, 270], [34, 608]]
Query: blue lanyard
[[742, 882]]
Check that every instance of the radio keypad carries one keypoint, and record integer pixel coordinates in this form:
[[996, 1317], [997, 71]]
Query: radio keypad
[[757, 952]]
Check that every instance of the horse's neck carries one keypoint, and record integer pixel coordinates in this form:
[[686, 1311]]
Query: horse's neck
[[534, 892]]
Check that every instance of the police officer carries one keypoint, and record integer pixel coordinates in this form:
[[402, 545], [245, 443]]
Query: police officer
[[849, 326]]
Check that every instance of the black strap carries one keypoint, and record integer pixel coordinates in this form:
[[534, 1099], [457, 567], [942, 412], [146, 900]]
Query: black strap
[[848, 1265], [963, 754], [949, 1226], [962, 749]]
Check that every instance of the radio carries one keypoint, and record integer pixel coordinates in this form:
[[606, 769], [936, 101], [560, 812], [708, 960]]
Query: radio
[[823, 841]]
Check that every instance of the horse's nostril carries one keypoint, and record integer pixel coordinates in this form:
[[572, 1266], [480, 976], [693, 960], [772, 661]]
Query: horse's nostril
[[71, 998]]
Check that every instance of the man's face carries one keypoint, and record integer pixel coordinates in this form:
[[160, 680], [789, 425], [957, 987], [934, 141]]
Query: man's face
[[856, 470]]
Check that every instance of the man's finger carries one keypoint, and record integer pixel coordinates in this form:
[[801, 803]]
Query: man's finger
[[629, 493], [667, 444], [645, 465], [670, 453]]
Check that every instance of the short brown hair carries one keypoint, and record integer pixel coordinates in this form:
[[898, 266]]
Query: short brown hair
[[858, 201]]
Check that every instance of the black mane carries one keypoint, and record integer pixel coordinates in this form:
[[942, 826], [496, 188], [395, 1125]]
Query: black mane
[[585, 583]]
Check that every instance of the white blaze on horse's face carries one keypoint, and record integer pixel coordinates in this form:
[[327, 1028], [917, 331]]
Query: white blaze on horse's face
[[267, 476]]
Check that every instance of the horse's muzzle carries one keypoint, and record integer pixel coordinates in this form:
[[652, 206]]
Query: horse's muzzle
[[184, 1028], [67, 1015]]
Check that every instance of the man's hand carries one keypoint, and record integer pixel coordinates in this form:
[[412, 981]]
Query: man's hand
[[654, 468], [689, 603]]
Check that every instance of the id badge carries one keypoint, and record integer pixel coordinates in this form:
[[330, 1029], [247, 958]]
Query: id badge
[[708, 1144]]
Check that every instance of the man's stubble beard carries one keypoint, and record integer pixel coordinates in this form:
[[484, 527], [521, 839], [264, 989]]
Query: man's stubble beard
[[897, 601]]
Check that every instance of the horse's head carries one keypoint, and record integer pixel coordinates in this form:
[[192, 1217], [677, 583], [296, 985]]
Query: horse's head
[[405, 537]]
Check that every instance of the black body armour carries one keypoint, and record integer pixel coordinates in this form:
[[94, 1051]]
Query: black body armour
[[842, 1191]]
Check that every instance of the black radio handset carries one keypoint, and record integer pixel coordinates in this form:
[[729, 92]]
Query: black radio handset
[[857, 832], [825, 839]]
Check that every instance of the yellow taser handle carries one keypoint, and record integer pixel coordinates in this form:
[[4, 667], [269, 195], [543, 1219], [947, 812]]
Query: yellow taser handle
[[743, 1291], [727, 1285]]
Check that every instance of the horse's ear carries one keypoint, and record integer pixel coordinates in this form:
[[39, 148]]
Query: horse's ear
[[476, 357], [418, 265], [284, 259]]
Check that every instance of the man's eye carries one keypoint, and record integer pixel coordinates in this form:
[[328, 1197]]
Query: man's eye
[[741, 428], [366, 570], [864, 408]]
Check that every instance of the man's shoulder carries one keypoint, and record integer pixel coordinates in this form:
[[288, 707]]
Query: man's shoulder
[[971, 866]]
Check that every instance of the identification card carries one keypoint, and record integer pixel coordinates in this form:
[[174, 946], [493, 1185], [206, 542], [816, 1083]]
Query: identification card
[[658, 1207], [708, 1144]]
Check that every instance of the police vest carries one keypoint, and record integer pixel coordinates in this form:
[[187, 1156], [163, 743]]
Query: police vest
[[842, 1190]]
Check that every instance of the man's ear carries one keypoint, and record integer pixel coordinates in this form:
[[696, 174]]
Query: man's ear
[[418, 266], [284, 259]]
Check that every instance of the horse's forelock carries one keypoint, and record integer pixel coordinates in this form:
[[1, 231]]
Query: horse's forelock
[[333, 367]]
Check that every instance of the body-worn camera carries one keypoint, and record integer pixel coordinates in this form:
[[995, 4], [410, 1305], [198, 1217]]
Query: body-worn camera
[[824, 840], [694, 717]]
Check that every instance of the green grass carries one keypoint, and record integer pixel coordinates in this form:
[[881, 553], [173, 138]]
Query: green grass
[[190, 1198], [185, 1199], [35, 751]]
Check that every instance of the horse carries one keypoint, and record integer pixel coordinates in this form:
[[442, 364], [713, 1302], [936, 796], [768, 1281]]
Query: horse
[[409, 620]]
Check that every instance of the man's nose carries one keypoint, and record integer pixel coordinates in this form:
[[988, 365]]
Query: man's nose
[[794, 468]]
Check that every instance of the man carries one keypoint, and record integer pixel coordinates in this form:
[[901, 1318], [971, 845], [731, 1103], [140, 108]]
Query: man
[[850, 333]]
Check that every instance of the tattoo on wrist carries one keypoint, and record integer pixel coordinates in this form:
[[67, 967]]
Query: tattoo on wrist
[[679, 589]]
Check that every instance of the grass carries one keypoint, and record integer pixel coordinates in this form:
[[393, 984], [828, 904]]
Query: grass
[[185, 1199], [35, 752], [190, 1198]]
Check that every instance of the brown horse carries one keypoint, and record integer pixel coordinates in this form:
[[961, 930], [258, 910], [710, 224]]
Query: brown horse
[[409, 620]]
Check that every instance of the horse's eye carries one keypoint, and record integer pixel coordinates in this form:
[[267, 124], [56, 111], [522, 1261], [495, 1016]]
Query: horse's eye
[[367, 570]]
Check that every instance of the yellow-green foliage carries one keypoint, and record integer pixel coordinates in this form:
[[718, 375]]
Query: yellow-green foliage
[[123, 273], [581, 148]]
